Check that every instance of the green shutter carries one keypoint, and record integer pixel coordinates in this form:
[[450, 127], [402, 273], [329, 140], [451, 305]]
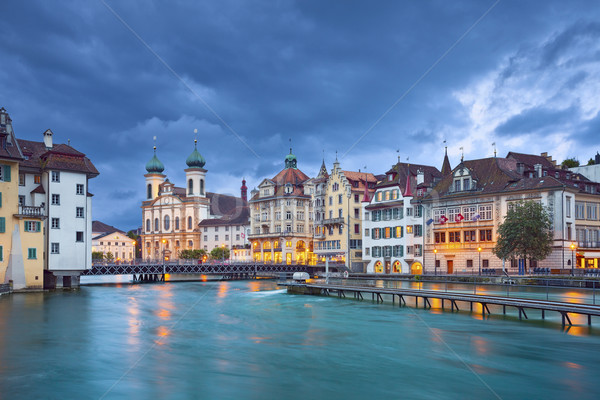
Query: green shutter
[[401, 251], [32, 253], [38, 226], [1, 253], [2, 225], [0, 199], [401, 231], [7, 173]]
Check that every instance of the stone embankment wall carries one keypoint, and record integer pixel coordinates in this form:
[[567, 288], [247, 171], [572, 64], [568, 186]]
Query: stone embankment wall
[[4, 288]]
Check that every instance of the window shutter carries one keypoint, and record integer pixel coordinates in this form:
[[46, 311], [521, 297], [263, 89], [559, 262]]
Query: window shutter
[[1, 253], [38, 226], [0, 199], [2, 225], [401, 251], [7, 173], [401, 231]]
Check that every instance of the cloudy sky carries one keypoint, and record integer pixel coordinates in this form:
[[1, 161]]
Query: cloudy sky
[[369, 80]]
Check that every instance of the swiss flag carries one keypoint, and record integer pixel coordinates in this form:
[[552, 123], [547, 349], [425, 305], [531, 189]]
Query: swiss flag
[[443, 219], [459, 218]]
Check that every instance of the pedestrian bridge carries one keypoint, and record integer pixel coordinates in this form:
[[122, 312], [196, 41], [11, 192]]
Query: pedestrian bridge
[[157, 271]]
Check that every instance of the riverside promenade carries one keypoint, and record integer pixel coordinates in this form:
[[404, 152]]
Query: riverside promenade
[[545, 298]]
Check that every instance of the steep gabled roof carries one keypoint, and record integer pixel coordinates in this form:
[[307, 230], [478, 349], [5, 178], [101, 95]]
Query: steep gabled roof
[[61, 157], [490, 174]]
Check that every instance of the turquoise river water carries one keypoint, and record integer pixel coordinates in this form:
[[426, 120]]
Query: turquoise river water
[[252, 340]]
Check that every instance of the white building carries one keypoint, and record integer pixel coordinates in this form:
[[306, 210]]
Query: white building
[[393, 220], [108, 239], [56, 177]]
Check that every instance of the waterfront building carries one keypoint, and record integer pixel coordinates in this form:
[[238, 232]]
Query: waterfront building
[[340, 229], [464, 210], [21, 237], [281, 217], [172, 215], [393, 219], [55, 181], [108, 239], [231, 231]]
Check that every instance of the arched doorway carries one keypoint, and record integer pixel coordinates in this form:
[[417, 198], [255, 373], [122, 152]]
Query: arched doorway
[[378, 267], [416, 268], [397, 267]]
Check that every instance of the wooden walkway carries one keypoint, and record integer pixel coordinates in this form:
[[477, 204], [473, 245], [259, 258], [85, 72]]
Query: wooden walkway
[[519, 303]]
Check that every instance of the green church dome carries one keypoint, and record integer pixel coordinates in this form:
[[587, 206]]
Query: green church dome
[[154, 166], [290, 160], [195, 160]]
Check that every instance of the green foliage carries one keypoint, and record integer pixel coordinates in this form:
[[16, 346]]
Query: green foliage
[[591, 162], [192, 254], [525, 233], [217, 253], [109, 256], [570, 163], [97, 255], [138, 243]]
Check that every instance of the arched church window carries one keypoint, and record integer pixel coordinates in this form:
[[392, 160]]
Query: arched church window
[[202, 186], [190, 186], [147, 225], [156, 224], [189, 222], [149, 191], [167, 222], [176, 223]]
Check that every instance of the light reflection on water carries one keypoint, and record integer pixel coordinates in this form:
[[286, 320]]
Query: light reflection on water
[[220, 340]]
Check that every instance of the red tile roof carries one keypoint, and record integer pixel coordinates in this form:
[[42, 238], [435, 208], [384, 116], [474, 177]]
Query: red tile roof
[[61, 157]]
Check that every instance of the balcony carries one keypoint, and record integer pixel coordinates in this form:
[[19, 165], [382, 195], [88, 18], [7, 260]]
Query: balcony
[[319, 235], [31, 211], [333, 221]]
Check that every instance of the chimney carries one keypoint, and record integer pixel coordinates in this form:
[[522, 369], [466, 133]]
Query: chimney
[[48, 139], [244, 191], [420, 176]]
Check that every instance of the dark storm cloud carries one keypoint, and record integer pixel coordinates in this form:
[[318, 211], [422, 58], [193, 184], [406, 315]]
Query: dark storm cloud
[[318, 72]]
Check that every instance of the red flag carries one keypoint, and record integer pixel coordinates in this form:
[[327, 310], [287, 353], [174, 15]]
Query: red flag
[[459, 218], [443, 219]]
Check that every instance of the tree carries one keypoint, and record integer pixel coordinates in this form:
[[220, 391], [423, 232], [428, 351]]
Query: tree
[[525, 233], [570, 163], [138, 243], [109, 256], [97, 255], [217, 253], [591, 162], [192, 254]]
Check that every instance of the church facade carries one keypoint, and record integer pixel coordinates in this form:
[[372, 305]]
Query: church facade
[[172, 215]]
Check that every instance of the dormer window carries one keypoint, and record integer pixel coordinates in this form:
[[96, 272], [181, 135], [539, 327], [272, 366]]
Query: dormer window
[[288, 188], [467, 184], [390, 177], [457, 185]]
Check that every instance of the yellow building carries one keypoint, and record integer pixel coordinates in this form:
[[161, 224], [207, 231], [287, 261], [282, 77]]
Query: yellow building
[[340, 229], [21, 227], [586, 248]]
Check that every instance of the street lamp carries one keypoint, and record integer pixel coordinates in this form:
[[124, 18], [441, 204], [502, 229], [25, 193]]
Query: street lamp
[[164, 241], [134, 252], [573, 247], [479, 251], [435, 262]]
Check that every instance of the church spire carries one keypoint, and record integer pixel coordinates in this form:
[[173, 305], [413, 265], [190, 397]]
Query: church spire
[[323, 171], [446, 169]]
